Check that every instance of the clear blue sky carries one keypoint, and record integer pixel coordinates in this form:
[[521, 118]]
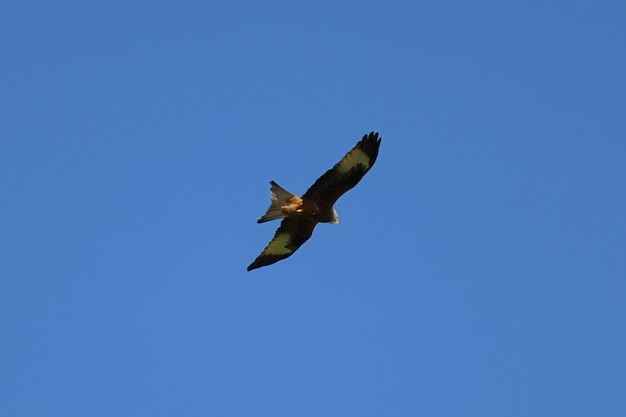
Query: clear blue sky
[[479, 269]]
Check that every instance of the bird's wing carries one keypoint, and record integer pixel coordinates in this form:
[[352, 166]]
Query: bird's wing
[[291, 234], [347, 172]]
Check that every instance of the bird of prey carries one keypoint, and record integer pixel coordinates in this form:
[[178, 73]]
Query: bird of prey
[[301, 214]]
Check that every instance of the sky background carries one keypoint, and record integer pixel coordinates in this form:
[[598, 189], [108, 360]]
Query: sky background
[[479, 269]]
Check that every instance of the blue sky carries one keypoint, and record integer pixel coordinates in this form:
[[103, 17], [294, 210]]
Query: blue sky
[[478, 269]]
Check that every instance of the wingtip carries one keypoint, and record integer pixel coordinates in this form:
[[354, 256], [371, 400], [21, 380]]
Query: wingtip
[[372, 136], [370, 144]]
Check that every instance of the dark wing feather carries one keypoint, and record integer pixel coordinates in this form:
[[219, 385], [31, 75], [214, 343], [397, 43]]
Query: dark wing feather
[[291, 234], [347, 172]]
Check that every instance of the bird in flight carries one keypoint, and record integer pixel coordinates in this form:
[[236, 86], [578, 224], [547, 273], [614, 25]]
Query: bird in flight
[[301, 214]]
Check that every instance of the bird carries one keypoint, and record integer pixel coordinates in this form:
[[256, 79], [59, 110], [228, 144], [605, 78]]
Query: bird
[[301, 214]]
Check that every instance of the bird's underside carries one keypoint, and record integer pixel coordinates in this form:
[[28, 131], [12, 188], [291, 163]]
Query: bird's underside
[[284, 204], [300, 215]]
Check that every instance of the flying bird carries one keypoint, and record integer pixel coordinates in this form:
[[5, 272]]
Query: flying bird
[[301, 214]]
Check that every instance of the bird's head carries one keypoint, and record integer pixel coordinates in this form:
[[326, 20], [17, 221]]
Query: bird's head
[[335, 218]]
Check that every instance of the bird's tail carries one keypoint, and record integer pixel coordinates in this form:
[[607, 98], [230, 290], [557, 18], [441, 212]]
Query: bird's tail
[[280, 197]]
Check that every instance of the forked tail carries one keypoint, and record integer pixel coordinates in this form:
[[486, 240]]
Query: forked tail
[[280, 197]]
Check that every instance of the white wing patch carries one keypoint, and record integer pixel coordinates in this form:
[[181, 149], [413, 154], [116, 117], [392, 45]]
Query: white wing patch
[[352, 159], [278, 245]]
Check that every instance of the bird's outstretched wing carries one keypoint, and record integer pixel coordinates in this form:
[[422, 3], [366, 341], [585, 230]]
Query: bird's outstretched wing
[[291, 234], [347, 172]]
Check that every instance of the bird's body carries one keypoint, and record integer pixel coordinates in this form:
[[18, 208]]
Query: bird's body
[[301, 214], [284, 204]]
